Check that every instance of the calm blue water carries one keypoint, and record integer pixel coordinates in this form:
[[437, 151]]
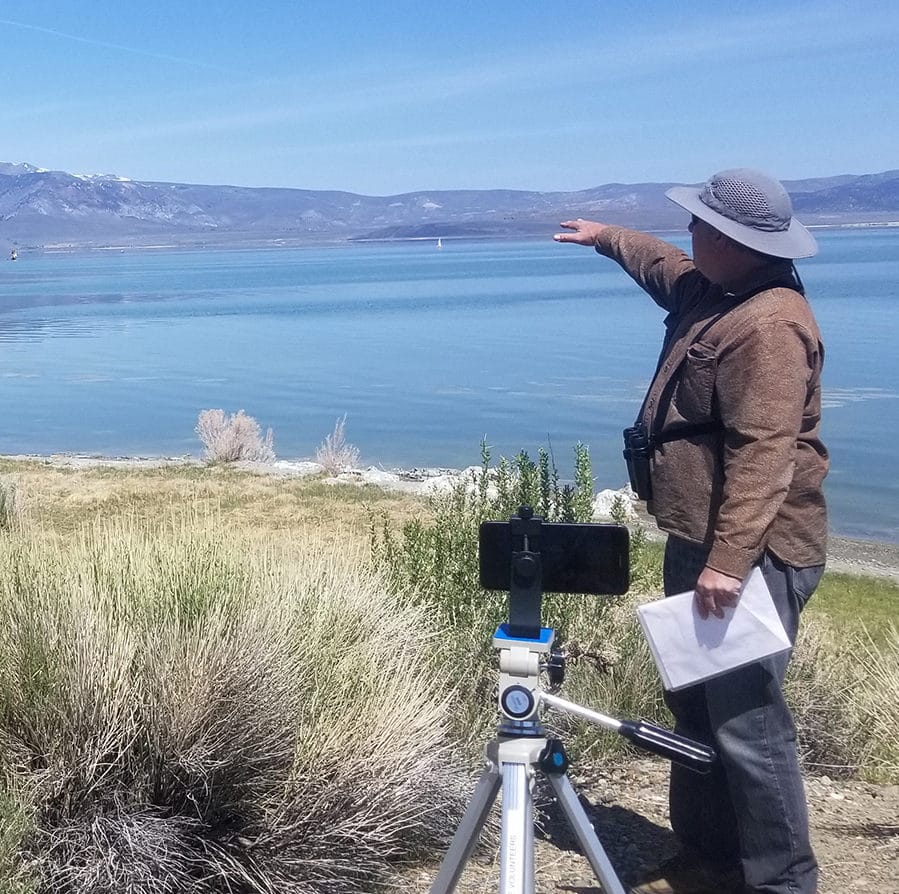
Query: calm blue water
[[426, 352]]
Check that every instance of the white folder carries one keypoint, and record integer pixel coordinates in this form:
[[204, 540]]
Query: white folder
[[689, 649]]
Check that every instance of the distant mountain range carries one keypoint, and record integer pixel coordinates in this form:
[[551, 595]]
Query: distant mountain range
[[44, 209]]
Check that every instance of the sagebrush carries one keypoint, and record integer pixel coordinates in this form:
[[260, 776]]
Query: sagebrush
[[181, 713]]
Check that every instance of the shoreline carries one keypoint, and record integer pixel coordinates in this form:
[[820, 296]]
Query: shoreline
[[279, 242], [849, 555]]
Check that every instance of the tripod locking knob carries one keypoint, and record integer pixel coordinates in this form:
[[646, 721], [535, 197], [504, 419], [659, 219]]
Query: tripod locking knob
[[555, 668], [553, 759]]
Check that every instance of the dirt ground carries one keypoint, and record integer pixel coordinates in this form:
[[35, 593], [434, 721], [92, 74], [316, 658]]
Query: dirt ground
[[855, 829]]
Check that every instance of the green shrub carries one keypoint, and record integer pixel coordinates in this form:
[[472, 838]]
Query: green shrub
[[434, 563]]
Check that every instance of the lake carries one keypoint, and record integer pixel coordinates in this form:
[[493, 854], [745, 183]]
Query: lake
[[426, 351]]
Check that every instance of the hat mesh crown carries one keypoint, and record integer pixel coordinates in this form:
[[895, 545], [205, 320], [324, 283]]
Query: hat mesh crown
[[743, 197], [753, 201]]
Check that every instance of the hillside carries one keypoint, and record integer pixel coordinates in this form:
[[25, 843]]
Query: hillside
[[40, 208]]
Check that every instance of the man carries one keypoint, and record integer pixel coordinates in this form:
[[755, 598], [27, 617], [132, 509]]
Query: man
[[735, 468]]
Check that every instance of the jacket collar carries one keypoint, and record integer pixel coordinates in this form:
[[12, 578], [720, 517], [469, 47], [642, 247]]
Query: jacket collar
[[782, 272]]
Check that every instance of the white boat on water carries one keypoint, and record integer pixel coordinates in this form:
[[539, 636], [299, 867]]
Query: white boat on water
[[439, 243]]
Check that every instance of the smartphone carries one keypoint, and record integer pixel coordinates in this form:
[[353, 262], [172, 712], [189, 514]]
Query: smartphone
[[576, 557]]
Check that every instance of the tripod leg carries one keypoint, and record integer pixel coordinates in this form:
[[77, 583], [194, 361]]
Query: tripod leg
[[468, 831], [517, 851], [586, 834]]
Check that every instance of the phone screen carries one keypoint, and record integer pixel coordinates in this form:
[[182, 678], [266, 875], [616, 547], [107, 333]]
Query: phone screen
[[576, 557]]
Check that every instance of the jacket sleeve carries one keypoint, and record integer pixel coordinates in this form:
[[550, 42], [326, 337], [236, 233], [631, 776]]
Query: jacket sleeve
[[762, 386], [658, 267]]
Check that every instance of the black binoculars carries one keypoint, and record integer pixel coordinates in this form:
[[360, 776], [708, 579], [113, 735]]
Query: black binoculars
[[637, 451]]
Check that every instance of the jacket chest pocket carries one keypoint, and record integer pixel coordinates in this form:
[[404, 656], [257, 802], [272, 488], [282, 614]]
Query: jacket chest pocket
[[695, 390]]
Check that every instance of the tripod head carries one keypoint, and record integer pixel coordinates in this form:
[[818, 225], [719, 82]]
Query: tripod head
[[526, 553]]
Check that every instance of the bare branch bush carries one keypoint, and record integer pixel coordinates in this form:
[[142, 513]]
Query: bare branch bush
[[334, 453], [228, 439]]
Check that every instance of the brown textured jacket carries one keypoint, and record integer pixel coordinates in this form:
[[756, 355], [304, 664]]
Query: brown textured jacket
[[755, 483]]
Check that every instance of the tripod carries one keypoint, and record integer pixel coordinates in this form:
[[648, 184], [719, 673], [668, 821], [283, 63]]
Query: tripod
[[521, 748]]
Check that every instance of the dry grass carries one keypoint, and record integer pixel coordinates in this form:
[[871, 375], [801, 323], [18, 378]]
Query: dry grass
[[12, 504], [62, 499], [878, 705], [186, 711], [843, 686], [820, 690], [197, 580]]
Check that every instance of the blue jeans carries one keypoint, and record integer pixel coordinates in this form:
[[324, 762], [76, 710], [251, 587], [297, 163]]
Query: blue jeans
[[751, 808]]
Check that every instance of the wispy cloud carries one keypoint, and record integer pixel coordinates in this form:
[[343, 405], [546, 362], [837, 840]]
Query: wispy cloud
[[90, 41], [740, 37], [12, 113], [325, 103], [462, 137]]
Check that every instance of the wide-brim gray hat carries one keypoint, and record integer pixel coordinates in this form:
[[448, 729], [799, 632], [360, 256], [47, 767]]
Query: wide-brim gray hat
[[751, 208]]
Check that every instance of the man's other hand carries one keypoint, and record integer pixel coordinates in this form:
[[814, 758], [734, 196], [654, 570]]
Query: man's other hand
[[715, 591]]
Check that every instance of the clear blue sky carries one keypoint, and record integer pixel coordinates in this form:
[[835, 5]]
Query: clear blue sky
[[388, 96]]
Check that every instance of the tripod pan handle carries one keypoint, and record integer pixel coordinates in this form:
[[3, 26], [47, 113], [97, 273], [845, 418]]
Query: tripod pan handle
[[692, 755]]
